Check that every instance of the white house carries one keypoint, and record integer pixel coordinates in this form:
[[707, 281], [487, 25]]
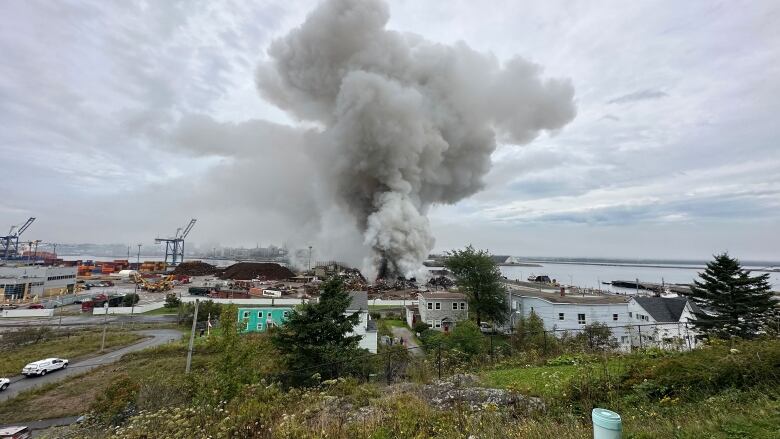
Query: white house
[[573, 312], [366, 328], [662, 322]]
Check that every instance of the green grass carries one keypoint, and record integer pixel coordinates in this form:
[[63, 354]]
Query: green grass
[[79, 344], [160, 369], [543, 381], [395, 323], [161, 311]]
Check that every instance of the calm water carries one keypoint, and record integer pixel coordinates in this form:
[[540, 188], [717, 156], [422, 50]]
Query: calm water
[[589, 276]]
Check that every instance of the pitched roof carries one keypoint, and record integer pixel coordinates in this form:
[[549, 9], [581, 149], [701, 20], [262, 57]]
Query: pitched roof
[[663, 309], [359, 301], [443, 295]]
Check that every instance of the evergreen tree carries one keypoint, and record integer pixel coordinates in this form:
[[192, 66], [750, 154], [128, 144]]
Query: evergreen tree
[[315, 338], [731, 302], [478, 276]]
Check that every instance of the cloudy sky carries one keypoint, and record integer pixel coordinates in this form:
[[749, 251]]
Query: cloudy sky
[[120, 120]]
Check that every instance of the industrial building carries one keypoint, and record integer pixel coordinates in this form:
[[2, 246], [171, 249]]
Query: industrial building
[[25, 282]]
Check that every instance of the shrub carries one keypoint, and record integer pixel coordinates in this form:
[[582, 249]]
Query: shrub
[[171, 301], [130, 299], [117, 403], [420, 327]]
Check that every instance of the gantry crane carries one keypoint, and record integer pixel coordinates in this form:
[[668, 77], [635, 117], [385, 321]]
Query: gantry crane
[[174, 247], [10, 243]]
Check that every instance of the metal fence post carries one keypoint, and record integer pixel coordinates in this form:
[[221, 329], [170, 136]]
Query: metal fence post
[[438, 358], [387, 367], [192, 337], [639, 327]]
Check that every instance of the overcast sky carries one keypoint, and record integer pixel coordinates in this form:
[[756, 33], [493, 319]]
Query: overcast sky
[[673, 152]]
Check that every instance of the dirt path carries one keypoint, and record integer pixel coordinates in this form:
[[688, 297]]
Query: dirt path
[[409, 340]]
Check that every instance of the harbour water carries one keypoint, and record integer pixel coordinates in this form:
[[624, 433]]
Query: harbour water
[[592, 276]]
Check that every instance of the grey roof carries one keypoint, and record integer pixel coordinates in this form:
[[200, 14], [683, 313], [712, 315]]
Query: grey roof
[[604, 299], [663, 309], [359, 301], [443, 295]]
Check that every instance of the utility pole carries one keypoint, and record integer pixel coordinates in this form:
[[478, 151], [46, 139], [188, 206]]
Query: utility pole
[[309, 258], [192, 336], [105, 318]]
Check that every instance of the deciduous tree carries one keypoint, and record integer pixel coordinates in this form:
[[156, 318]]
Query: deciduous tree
[[478, 276]]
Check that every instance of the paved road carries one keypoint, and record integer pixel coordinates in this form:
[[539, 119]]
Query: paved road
[[19, 383], [408, 338]]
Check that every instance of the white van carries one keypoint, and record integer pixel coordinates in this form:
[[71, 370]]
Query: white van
[[42, 367]]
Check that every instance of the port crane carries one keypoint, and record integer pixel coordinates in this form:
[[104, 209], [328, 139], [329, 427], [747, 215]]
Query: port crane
[[10, 243], [174, 247]]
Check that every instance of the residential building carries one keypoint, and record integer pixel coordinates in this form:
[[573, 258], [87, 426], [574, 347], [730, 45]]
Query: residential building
[[562, 313], [27, 281], [440, 310], [663, 321], [260, 319]]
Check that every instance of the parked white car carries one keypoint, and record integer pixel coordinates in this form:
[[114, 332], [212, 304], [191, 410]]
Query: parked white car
[[4, 383], [42, 367]]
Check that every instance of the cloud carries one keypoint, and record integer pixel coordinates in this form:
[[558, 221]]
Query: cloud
[[642, 95]]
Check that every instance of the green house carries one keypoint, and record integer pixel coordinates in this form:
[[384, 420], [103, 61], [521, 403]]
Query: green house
[[259, 319]]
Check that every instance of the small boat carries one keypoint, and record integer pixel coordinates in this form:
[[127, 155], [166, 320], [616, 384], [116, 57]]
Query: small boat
[[532, 278]]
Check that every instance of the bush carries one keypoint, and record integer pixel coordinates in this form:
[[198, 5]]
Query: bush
[[171, 301], [420, 327], [117, 402], [707, 370], [130, 299]]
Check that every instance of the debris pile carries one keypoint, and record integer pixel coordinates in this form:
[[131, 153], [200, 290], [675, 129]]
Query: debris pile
[[257, 270], [196, 268], [441, 282]]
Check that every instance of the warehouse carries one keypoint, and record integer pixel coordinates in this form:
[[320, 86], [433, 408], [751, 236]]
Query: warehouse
[[28, 281]]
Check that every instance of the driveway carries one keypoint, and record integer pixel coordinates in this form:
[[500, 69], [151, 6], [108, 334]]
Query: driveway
[[409, 340], [20, 384]]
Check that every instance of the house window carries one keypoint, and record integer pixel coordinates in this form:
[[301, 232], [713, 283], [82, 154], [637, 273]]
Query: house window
[[624, 339], [630, 314], [286, 313], [259, 326], [615, 317], [455, 305], [581, 319], [462, 305], [430, 305], [438, 323], [438, 305], [429, 323], [259, 314], [560, 316], [268, 315], [246, 314]]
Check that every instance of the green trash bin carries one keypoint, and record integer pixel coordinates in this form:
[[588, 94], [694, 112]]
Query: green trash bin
[[606, 424]]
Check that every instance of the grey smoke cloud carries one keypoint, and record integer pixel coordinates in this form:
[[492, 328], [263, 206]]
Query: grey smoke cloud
[[406, 123]]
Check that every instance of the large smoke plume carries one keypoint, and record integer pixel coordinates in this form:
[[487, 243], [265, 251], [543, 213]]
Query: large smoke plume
[[407, 123]]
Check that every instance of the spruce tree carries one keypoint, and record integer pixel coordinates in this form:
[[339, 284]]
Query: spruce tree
[[478, 276], [730, 301], [315, 338]]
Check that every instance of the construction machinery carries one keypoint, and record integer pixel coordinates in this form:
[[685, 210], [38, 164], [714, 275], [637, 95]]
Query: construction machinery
[[10, 243], [174, 247]]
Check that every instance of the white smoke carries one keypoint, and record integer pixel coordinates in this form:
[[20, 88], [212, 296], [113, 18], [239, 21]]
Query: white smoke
[[407, 123]]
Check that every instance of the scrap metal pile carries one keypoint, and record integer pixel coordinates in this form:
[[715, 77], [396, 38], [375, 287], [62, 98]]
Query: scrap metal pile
[[442, 282], [257, 270], [196, 268]]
